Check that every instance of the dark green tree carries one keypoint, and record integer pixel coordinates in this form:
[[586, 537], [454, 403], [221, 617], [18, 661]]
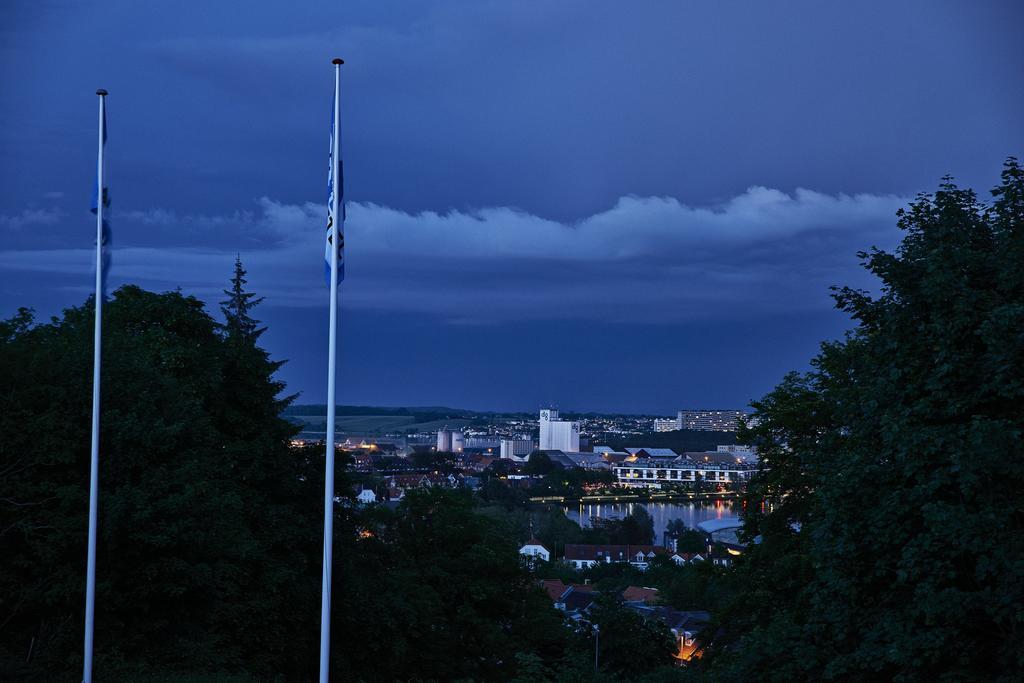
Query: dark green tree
[[199, 538], [539, 463], [236, 308], [438, 592], [627, 644], [687, 540], [636, 528], [889, 503]]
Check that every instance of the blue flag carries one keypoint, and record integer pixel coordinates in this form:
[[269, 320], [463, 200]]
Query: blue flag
[[105, 245], [330, 206]]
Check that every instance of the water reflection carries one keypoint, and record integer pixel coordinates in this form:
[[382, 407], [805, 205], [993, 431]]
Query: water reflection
[[692, 513]]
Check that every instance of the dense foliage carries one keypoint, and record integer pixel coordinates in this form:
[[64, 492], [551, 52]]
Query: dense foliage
[[203, 521], [210, 522], [889, 508]]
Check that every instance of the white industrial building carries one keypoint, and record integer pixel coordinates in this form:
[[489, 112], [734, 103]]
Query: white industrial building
[[558, 435], [450, 441], [517, 449], [481, 442]]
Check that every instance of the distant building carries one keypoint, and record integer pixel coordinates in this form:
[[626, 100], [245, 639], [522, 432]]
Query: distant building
[[657, 472], [709, 420], [516, 449], [686, 558], [642, 594], [481, 443], [667, 424], [556, 434], [450, 441], [746, 453], [534, 549], [582, 556], [398, 484], [554, 588], [736, 448], [652, 452], [587, 461], [367, 496], [576, 601], [688, 628]]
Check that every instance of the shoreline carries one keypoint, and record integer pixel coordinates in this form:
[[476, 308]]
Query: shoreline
[[636, 498]]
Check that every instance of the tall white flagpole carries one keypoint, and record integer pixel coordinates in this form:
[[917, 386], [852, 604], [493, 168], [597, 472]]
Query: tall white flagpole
[[325, 599], [94, 466]]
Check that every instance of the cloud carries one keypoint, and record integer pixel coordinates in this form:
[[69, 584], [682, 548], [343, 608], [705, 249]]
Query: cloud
[[636, 228], [30, 217], [644, 259]]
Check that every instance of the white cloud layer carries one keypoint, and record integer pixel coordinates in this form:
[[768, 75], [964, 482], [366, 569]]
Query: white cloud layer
[[644, 259], [30, 217]]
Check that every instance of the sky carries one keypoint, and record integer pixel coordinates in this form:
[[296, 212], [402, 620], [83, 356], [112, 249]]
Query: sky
[[621, 207]]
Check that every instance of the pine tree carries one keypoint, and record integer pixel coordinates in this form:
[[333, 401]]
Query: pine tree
[[238, 323]]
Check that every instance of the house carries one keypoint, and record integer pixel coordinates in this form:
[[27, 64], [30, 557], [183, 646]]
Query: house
[[576, 600], [408, 481], [688, 628], [444, 480], [571, 598], [554, 588], [534, 549], [362, 462], [478, 462], [724, 554], [686, 558], [581, 556], [640, 594], [367, 496], [398, 484]]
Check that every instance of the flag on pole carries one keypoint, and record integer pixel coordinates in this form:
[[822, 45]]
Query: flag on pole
[[335, 273], [334, 169], [105, 245]]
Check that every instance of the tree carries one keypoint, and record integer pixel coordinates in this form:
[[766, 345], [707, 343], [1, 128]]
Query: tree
[[687, 540], [237, 320], [207, 518], [888, 503], [636, 528], [629, 645], [539, 463], [210, 524], [450, 598]]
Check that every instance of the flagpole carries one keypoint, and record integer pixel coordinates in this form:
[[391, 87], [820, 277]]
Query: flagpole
[[325, 599], [90, 574]]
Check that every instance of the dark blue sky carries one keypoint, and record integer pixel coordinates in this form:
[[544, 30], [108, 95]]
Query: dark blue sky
[[603, 206]]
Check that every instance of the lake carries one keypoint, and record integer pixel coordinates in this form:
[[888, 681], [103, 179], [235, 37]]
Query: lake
[[662, 513]]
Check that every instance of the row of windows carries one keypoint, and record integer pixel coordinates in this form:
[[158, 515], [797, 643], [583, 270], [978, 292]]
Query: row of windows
[[678, 475]]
